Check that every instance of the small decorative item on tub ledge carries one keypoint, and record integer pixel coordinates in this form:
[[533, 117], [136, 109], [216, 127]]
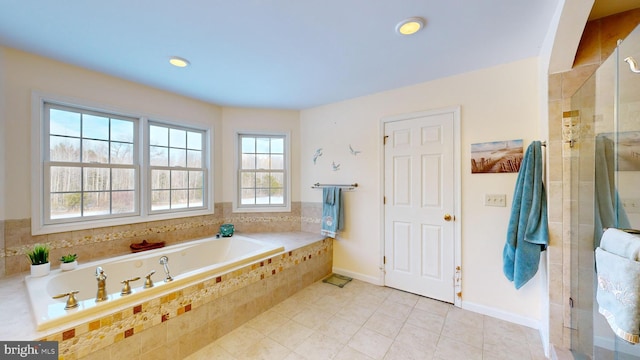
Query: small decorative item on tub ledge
[[144, 245], [226, 230], [39, 258], [68, 262]]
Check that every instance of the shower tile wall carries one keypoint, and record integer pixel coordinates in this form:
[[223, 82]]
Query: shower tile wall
[[92, 244], [598, 42]]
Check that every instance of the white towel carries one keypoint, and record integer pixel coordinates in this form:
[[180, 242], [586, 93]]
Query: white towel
[[621, 243], [619, 282]]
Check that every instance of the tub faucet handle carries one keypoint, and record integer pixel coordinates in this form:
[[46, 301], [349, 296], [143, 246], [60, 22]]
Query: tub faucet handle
[[126, 289], [148, 283], [71, 301]]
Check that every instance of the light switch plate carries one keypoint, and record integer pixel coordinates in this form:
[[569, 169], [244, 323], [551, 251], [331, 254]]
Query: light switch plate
[[495, 200]]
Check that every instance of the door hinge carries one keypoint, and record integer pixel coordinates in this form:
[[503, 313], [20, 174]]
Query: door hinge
[[384, 140], [384, 260], [384, 200]]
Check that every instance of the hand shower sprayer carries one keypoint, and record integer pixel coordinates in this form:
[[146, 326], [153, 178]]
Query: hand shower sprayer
[[164, 261]]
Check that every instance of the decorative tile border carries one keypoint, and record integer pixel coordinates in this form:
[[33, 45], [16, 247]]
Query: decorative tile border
[[100, 333], [18, 239]]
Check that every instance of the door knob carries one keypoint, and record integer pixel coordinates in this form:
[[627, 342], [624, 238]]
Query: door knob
[[448, 217]]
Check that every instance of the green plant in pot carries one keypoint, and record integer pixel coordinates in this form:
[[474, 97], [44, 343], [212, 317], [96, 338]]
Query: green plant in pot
[[39, 258], [68, 262]]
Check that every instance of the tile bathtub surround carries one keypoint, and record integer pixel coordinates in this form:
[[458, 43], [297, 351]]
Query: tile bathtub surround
[[93, 244], [194, 316], [364, 321]]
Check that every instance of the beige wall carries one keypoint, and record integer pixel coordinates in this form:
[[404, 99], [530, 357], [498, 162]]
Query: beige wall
[[239, 119], [499, 103], [25, 73]]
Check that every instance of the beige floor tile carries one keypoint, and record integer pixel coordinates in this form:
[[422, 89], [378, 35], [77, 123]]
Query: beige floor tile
[[357, 314], [211, 352], [433, 306], [450, 349], [339, 329], [404, 298], [239, 339], [312, 317], [319, 347], [394, 309], [384, 325], [265, 349], [348, 353], [267, 322], [370, 343], [402, 351], [426, 320], [291, 334], [465, 318], [417, 338], [465, 334], [364, 321]]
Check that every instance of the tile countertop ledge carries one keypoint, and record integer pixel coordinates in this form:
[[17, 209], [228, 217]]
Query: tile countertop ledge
[[16, 320]]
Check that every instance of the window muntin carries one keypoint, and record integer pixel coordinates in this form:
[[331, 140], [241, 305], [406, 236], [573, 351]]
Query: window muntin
[[89, 165], [262, 171], [86, 156], [177, 167]]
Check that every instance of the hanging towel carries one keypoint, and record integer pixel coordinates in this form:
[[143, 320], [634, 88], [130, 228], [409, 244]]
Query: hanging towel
[[621, 243], [609, 211], [332, 211], [528, 232], [618, 292]]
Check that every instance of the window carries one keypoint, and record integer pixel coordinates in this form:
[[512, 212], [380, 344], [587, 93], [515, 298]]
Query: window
[[262, 172], [90, 164], [98, 168], [177, 167]]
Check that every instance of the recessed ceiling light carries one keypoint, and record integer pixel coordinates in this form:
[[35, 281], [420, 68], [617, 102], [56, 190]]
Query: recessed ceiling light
[[178, 61], [410, 26]]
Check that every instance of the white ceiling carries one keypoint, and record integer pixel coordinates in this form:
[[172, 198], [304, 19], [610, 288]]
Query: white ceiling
[[290, 54]]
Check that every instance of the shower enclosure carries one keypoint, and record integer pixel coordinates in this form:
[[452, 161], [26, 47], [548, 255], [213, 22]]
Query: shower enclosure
[[604, 133]]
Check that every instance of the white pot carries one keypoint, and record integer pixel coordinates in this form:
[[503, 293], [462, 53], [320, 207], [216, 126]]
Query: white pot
[[40, 270], [68, 266]]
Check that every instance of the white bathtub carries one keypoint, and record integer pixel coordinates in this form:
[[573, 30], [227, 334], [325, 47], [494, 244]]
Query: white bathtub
[[189, 263]]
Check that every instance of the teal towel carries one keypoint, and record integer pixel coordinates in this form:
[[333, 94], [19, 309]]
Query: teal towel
[[617, 293], [608, 207], [528, 230], [332, 211]]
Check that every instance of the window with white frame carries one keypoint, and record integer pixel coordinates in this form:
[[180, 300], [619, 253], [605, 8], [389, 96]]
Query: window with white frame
[[262, 172], [95, 171], [90, 165], [177, 168]]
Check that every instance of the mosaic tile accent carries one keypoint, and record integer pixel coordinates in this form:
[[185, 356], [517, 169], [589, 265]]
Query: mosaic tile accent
[[112, 329], [90, 244]]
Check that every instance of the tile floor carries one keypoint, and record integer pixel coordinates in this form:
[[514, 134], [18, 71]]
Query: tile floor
[[364, 321]]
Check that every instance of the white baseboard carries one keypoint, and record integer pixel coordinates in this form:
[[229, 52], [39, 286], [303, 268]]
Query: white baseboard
[[502, 315], [366, 278]]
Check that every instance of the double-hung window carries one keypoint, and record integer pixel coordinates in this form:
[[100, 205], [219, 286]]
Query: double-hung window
[[263, 178], [90, 165], [177, 168], [99, 168]]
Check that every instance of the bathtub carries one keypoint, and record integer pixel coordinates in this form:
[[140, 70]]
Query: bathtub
[[189, 263]]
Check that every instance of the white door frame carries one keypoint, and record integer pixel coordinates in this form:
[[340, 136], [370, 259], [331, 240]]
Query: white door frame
[[457, 191]]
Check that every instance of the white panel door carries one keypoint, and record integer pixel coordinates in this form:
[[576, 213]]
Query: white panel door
[[419, 205]]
